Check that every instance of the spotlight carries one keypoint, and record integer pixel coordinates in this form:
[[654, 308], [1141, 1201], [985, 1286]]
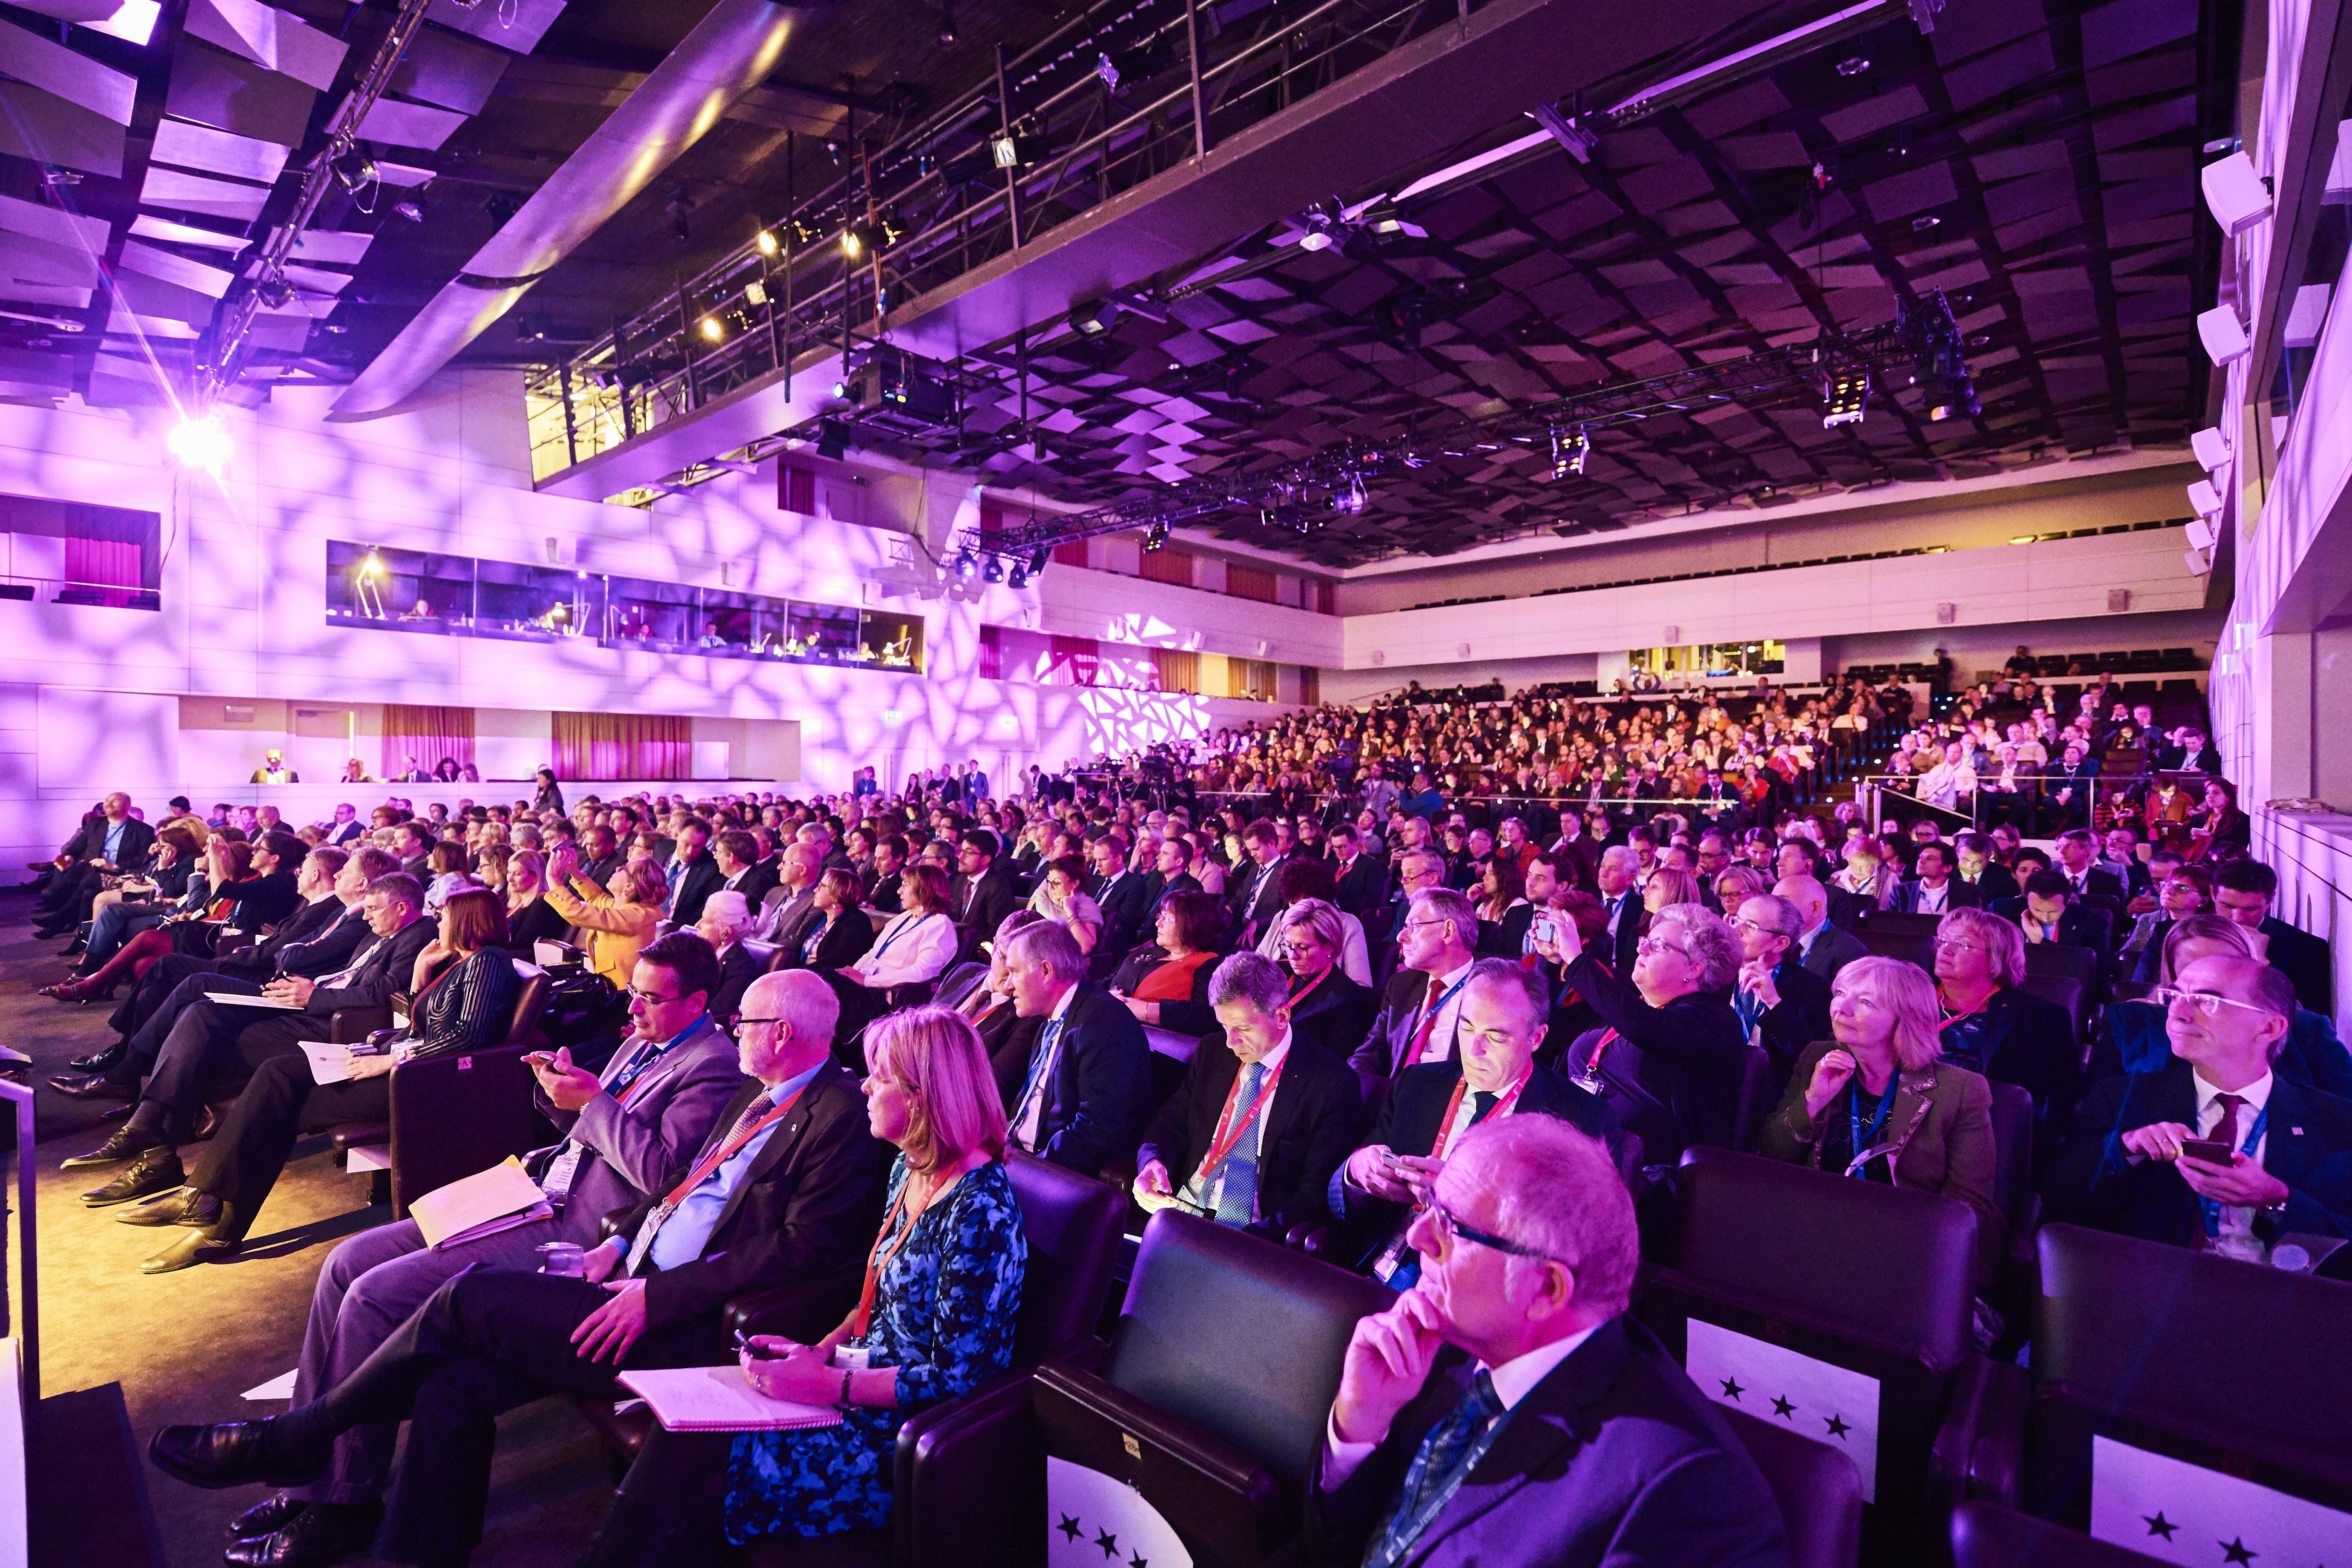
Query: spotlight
[[966, 568], [1350, 501], [993, 572], [1568, 450], [713, 329], [755, 293], [1037, 559], [412, 211], [1008, 150], [1156, 536], [1095, 319], [352, 170], [767, 242], [857, 240], [201, 441], [1852, 65], [273, 290], [1846, 393], [833, 150], [1318, 233], [947, 28], [1019, 576]]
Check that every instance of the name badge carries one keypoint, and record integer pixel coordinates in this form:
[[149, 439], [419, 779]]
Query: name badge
[[851, 1358]]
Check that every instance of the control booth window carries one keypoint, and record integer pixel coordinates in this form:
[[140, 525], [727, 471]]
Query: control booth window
[[1718, 660], [535, 604], [402, 590]]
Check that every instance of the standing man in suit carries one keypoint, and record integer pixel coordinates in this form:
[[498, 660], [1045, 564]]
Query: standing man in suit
[[624, 1135], [1422, 1007], [2078, 862], [2289, 1166], [1618, 866], [1358, 880], [692, 874], [2243, 890], [985, 895], [1120, 894], [789, 1185], [1508, 1410], [1504, 1012], [1088, 1091], [1932, 889], [1252, 900], [1784, 1006], [1261, 1121], [1977, 870], [1821, 947]]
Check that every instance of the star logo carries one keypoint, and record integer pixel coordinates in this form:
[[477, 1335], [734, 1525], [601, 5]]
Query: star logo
[[2160, 1525], [1070, 1527], [1782, 1408], [1109, 1542], [1731, 1389], [1838, 1427], [1138, 1561], [2234, 1550]]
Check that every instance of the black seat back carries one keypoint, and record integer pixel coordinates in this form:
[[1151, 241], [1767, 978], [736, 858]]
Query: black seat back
[[2061, 958], [1895, 923], [1818, 1489], [1072, 1224], [1755, 1096], [1910, 949], [1986, 1535], [2013, 1143]]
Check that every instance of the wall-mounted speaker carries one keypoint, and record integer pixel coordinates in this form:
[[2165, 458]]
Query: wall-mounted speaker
[[2118, 601]]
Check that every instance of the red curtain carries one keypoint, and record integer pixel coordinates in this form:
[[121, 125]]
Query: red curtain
[[596, 746], [103, 564], [428, 734], [1081, 657]]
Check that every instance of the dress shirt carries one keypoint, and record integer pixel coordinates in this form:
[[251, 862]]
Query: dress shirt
[[1933, 900], [1449, 1018], [623, 1070], [1029, 1121], [1805, 943], [1617, 908], [1514, 1380], [682, 1237], [1208, 1194], [2256, 1096]]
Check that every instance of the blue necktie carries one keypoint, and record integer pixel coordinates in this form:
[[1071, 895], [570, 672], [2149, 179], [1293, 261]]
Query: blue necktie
[[1438, 1467], [1749, 1005], [1237, 1200], [1045, 1053]]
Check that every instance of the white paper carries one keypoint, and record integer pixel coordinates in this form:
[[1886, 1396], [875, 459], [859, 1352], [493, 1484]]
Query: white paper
[[1093, 1520], [279, 1387], [1833, 1406], [329, 1063], [239, 999], [2180, 1512], [471, 1202], [719, 1399]]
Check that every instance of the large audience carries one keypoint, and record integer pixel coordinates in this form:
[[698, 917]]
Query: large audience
[[1439, 990]]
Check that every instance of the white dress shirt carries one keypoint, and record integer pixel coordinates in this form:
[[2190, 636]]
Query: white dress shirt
[[1029, 1117], [1932, 900], [911, 947], [2256, 1095], [1514, 1380], [1207, 1197], [1449, 1018]]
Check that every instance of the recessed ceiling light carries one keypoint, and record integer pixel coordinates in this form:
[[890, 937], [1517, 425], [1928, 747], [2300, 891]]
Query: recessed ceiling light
[[1925, 222], [1852, 65]]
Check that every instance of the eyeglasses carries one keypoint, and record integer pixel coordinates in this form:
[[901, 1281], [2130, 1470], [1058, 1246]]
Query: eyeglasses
[[2207, 1002], [741, 1022], [1415, 925], [1943, 943], [1655, 945], [1450, 1227], [648, 997]]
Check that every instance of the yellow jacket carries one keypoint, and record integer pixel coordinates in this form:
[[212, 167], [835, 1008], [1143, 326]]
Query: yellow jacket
[[616, 932]]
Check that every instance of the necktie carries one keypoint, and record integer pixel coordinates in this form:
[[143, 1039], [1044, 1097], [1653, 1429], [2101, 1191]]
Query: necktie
[[1428, 1024], [1029, 1124], [1749, 1005], [1481, 1103], [761, 1105], [1237, 1199], [1439, 1466], [2226, 1131]]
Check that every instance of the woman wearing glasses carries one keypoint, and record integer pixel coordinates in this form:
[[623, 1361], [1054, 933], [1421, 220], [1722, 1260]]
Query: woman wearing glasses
[[2135, 1041], [1876, 1101], [1061, 897], [2188, 890], [1989, 1025], [1327, 1007]]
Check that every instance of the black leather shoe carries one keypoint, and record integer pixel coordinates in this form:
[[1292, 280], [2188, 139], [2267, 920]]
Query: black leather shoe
[[92, 1085], [156, 1171], [229, 1453], [178, 1205], [268, 1517], [74, 948], [322, 1534], [123, 1144], [100, 1061], [195, 1247]]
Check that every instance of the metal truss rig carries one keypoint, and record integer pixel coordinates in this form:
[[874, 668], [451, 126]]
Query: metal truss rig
[[1921, 347]]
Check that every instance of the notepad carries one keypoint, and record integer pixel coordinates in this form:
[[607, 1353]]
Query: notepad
[[721, 1399], [239, 999], [330, 1062], [481, 1204]]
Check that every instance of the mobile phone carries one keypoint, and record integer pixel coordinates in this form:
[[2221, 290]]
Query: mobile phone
[[2213, 1150], [539, 1059], [1541, 929]]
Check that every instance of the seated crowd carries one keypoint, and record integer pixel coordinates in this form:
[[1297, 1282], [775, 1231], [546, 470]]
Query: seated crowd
[[1459, 1052]]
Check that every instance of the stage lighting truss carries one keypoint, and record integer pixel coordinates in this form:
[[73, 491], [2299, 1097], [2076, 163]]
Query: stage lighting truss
[[1568, 450], [1845, 396]]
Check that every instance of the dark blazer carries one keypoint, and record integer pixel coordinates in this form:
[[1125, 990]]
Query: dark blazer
[[2095, 1182], [1392, 1028], [695, 884], [754, 883], [1832, 949], [1251, 900], [1336, 1015], [1187, 1016], [1674, 1071], [2304, 958], [261, 900], [2098, 881], [2026, 1040], [2080, 926], [842, 945], [1503, 938], [89, 843], [1958, 895], [388, 965], [1100, 1095], [980, 907], [316, 939], [1615, 1457], [1996, 882], [811, 1202], [1362, 888], [1310, 1128], [535, 922], [1802, 1016], [1619, 953], [1126, 902], [601, 871], [738, 967]]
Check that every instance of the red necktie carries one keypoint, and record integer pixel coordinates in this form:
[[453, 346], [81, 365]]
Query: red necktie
[[1428, 1026], [2227, 1130]]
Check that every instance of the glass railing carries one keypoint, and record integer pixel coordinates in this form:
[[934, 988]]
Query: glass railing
[[66, 590]]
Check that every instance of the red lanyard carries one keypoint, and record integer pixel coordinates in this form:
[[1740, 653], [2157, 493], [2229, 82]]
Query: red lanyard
[[725, 1152], [1599, 1049], [887, 1246], [1307, 990], [1230, 1128], [1503, 1104]]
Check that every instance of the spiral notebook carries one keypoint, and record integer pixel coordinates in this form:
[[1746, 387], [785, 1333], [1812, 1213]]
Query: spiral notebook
[[719, 1399]]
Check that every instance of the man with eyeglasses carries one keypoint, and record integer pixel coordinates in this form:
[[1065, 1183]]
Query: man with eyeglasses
[[2148, 1158], [1512, 1368], [1784, 1006], [1423, 1003], [624, 1133], [1932, 890], [2244, 891]]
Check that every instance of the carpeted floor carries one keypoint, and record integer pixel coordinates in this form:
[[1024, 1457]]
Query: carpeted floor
[[184, 1346]]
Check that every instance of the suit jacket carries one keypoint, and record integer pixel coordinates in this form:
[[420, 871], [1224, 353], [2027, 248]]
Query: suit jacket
[[1308, 1130], [1505, 937], [843, 943], [1155, 888], [343, 833], [2080, 926], [1802, 1016], [2100, 882], [753, 882], [1250, 900], [2095, 1182], [811, 1202], [784, 915], [980, 907], [1994, 883], [695, 884], [1126, 904], [2304, 958], [1615, 1457], [629, 1150], [1100, 1093], [1362, 886], [1832, 949], [1336, 1015], [387, 965], [1958, 895], [130, 853], [1392, 1027], [738, 967], [1675, 1070], [316, 939], [1618, 952]]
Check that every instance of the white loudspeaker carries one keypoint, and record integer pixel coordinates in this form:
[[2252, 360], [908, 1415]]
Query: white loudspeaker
[[1462, 650], [2196, 563], [1947, 615], [2235, 194], [2223, 337], [559, 552], [2200, 534], [2118, 601], [2204, 499], [738, 573], [2212, 448], [1378, 657], [1263, 648], [1673, 633]]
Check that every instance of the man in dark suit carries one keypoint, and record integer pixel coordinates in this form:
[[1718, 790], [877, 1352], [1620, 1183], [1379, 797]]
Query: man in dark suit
[[1621, 901], [2078, 862], [2049, 912], [1821, 947], [600, 853], [1934, 889], [788, 1186], [2244, 891], [113, 840], [737, 855], [208, 1033], [1252, 899], [1422, 1007], [1122, 897], [1262, 1119], [1977, 870], [2066, 789], [1171, 874], [984, 895], [1784, 1006], [1360, 883], [1494, 1074], [693, 874], [2289, 1166], [1609, 1452], [1087, 1092], [413, 842]]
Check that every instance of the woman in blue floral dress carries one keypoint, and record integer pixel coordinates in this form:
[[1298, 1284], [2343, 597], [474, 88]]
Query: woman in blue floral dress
[[942, 1292]]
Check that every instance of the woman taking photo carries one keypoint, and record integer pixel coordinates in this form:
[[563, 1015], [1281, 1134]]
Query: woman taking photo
[[1989, 1025], [1878, 1103], [1166, 982], [914, 949], [943, 1292], [1061, 898], [618, 919], [1327, 1007], [839, 939]]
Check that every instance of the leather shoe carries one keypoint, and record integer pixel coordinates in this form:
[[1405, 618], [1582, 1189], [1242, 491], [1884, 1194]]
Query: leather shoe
[[123, 1143], [74, 948], [92, 1085], [229, 1454], [268, 1517], [179, 1205], [322, 1534], [195, 1246], [156, 1171], [100, 1061]]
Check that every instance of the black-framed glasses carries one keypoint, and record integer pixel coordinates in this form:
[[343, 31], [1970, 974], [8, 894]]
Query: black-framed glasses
[[741, 1022], [1450, 1227]]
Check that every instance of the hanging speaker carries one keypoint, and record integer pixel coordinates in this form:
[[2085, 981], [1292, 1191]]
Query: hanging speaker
[[2222, 335]]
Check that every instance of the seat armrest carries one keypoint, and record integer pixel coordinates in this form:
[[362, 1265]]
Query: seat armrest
[[361, 1136], [350, 1026], [1979, 1451], [970, 1481], [805, 1310]]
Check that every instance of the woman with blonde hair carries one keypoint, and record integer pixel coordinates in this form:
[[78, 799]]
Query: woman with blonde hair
[[1877, 1101], [1866, 874], [1735, 885], [1669, 886], [619, 918], [531, 916]]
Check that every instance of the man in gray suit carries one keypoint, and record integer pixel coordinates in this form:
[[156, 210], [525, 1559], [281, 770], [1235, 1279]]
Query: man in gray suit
[[627, 1133], [1509, 1410], [1823, 948]]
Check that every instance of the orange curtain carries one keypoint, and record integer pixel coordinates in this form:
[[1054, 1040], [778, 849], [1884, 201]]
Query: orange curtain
[[1249, 583], [1173, 566], [1178, 670], [623, 746], [428, 734]]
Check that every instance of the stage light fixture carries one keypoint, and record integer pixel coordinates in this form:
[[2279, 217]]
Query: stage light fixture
[[767, 242], [993, 572], [1009, 150], [413, 211], [201, 441], [1037, 559], [1349, 499], [1095, 318], [1568, 450], [1019, 576], [1156, 536], [856, 240], [1318, 233], [755, 293], [713, 329], [353, 170], [1846, 395], [966, 568]]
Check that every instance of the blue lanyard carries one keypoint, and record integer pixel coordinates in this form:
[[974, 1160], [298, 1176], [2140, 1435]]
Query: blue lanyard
[[892, 936], [1439, 1005], [809, 946], [1854, 1118], [2253, 1140]]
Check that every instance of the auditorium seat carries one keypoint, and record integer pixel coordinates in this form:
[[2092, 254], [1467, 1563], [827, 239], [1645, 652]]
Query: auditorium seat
[[1910, 948], [1819, 1492], [2070, 995], [1895, 923], [1986, 1535], [1755, 1101], [1872, 1279]]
